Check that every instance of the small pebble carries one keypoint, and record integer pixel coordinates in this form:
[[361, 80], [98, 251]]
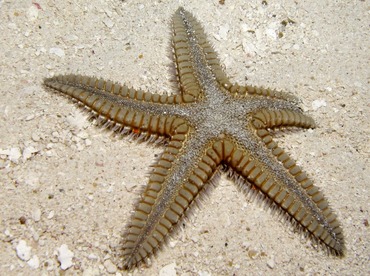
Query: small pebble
[[7, 233], [65, 257], [22, 220], [253, 254], [315, 33], [34, 262], [108, 22], [32, 180], [13, 154], [49, 264], [316, 104], [49, 145], [35, 236], [51, 215], [172, 244], [271, 33], [28, 152], [88, 142], [296, 47], [223, 32], [83, 135], [357, 84], [78, 120], [30, 117], [286, 46], [168, 270], [33, 13], [71, 37], [57, 51], [23, 251], [246, 245], [36, 215], [110, 266], [80, 146], [271, 263], [129, 186], [91, 271], [92, 257], [3, 164], [35, 137], [249, 48]]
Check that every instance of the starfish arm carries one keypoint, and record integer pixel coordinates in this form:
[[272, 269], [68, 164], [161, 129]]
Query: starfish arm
[[192, 53], [266, 118], [159, 208], [119, 105], [245, 90], [289, 188], [181, 55], [173, 187], [189, 38]]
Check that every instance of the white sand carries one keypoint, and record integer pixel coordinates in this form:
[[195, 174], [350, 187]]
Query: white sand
[[66, 182]]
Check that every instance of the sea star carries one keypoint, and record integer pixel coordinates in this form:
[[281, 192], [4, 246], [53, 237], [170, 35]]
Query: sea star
[[211, 124]]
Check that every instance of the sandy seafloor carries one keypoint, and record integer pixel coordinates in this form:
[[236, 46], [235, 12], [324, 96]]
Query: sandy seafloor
[[66, 182]]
